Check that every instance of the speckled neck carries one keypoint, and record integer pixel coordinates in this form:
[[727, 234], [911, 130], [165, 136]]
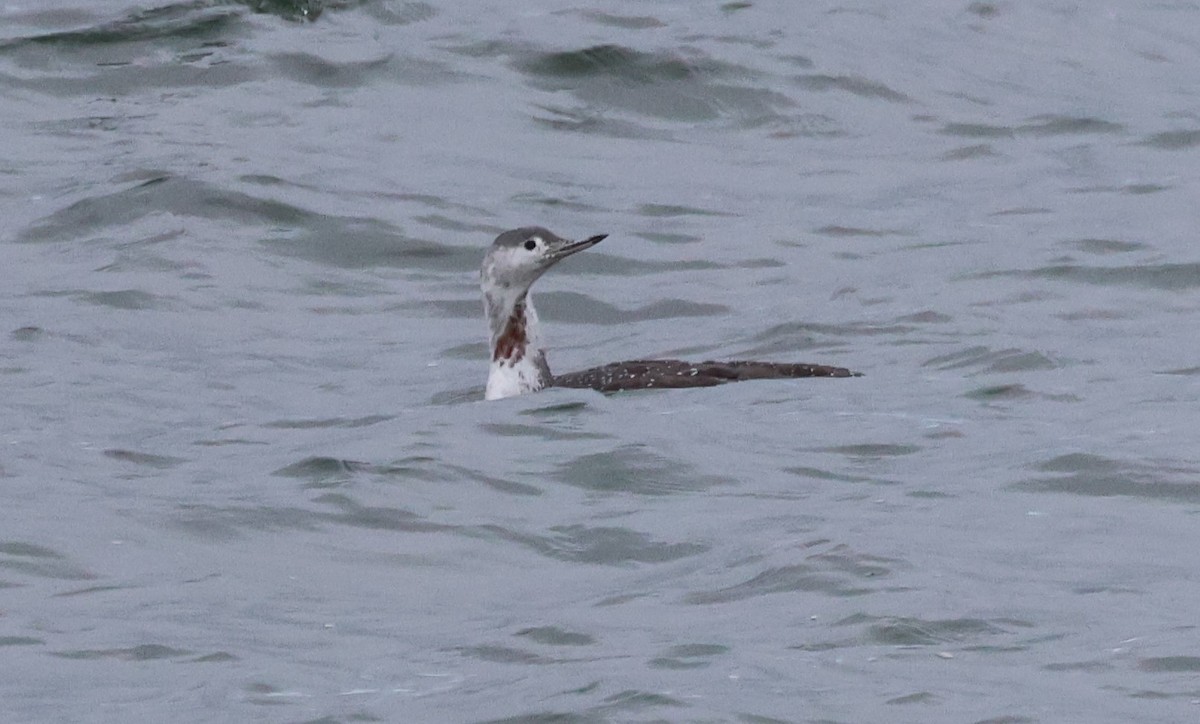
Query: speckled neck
[[518, 361]]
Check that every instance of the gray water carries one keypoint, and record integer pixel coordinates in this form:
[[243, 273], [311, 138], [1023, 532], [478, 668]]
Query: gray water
[[246, 471]]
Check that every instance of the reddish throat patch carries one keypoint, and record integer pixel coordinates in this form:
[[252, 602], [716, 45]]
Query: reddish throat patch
[[511, 344]]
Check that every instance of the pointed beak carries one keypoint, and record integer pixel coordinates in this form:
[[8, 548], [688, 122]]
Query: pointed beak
[[567, 248]]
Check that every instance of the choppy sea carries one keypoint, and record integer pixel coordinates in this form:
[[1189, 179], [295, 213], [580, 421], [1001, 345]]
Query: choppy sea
[[246, 473]]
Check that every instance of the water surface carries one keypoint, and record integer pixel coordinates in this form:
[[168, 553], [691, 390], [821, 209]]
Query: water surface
[[248, 475]]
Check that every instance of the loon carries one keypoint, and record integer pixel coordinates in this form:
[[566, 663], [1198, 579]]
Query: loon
[[515, 261]]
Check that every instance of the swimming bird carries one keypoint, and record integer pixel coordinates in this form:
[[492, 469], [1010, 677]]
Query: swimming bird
[[515, 261]]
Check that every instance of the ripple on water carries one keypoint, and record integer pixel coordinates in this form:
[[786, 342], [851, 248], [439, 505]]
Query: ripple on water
[[1106, 246], [790, 338], [874, 451], [504, 655], [175, 195], [626, 22], [156, 462], [850, 84], [39, 562], [127, 299], [599, 545], [1094, 475], [347, 422], [634, 469], [840, 571], [1047, 125], [322, 72], [555, 636], [232, 522], [992, 361], [1171, 664], [143, 652], [350, 512], [1169, 277], [337, 241], [908, 631], [195, 20], [323, 472], [1173, 140], [688, 656], [1185, 371], [356, 243], [663, 86], [582, 309], [539, 432]]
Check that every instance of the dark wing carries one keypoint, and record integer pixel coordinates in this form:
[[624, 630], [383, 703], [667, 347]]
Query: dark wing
[[674, 373]]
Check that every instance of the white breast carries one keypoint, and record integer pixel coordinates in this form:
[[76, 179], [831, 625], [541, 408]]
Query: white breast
[[507, 380]]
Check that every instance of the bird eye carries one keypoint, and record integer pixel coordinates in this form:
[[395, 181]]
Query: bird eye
[[531, 244]]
